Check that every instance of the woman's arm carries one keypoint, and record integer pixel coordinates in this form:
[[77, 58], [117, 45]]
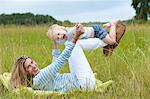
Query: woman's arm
[[54, 44], [50, 72], [60, 61], [55, 50]]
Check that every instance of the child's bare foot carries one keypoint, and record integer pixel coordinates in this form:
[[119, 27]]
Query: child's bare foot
[[106, 25], [111, 23], [114, 22]]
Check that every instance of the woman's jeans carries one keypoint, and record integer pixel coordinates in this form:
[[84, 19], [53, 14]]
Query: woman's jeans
[[79, 64]]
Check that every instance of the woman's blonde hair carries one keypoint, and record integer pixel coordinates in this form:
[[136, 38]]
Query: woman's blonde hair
[[53, 27], [19, 76]]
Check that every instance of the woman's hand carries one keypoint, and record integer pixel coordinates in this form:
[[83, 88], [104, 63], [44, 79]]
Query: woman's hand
[[79, 28], [54, 44], [79, 31]]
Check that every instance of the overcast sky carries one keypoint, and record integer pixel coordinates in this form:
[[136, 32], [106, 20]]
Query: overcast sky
[[73, 10]]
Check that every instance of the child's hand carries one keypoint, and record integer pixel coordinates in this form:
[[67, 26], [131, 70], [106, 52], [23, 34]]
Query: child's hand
[[79, 28]]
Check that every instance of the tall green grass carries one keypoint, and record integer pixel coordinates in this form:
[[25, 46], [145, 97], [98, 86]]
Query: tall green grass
[[129, 66]]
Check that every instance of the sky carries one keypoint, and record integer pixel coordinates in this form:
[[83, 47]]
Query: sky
[[72, 10]]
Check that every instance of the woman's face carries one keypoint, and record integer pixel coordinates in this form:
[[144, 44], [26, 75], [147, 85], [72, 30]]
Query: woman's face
[[59, 34], [31, 67]]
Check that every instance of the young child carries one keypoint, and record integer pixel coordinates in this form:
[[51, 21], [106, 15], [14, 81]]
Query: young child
[[60, 34]]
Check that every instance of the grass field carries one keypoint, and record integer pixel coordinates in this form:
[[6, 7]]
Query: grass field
[[129, 66]]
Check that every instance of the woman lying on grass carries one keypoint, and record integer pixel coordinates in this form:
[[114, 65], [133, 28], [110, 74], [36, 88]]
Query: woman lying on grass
[[26, 72]]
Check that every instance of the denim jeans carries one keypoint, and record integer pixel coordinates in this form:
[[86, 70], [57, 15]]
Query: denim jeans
[[99, 31]]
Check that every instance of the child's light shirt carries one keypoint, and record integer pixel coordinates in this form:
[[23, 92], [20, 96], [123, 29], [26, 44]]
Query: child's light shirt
[[88, 33]]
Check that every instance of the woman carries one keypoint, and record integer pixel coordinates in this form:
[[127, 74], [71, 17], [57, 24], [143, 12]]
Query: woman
[[26, 72]]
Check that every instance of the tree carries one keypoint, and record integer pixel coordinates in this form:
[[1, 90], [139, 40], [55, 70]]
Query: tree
[[67, 23], [142, 9]]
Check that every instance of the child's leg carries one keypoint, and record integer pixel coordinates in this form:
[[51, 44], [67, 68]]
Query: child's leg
[[79, 64], [111, 37], [108, 38], [119, 29]]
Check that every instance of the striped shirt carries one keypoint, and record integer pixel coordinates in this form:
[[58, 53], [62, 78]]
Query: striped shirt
[[49, 79]]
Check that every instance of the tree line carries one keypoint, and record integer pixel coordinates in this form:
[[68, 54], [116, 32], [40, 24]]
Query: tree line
[[141, 7], [26, 19]]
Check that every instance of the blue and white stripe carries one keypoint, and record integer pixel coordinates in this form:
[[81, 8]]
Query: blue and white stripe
[[49, 79]]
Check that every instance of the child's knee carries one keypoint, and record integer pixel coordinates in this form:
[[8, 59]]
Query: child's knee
[[109, 40], [112, 42]]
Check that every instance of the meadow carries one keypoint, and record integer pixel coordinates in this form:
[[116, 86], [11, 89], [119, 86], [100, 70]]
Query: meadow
[[128, 67]]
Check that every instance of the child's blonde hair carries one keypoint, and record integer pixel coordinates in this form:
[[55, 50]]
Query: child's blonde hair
[[53, 27]]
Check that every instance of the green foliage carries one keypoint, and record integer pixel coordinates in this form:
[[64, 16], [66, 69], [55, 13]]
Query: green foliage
[[67, 23], [26, 19], [140, 21], [142, 8], [128, 67]]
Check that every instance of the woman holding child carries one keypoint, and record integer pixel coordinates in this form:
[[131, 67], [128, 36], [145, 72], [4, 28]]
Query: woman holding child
[[26, 72]]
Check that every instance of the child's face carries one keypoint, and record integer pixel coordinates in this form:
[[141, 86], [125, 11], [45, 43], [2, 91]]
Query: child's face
[[59, 34]]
